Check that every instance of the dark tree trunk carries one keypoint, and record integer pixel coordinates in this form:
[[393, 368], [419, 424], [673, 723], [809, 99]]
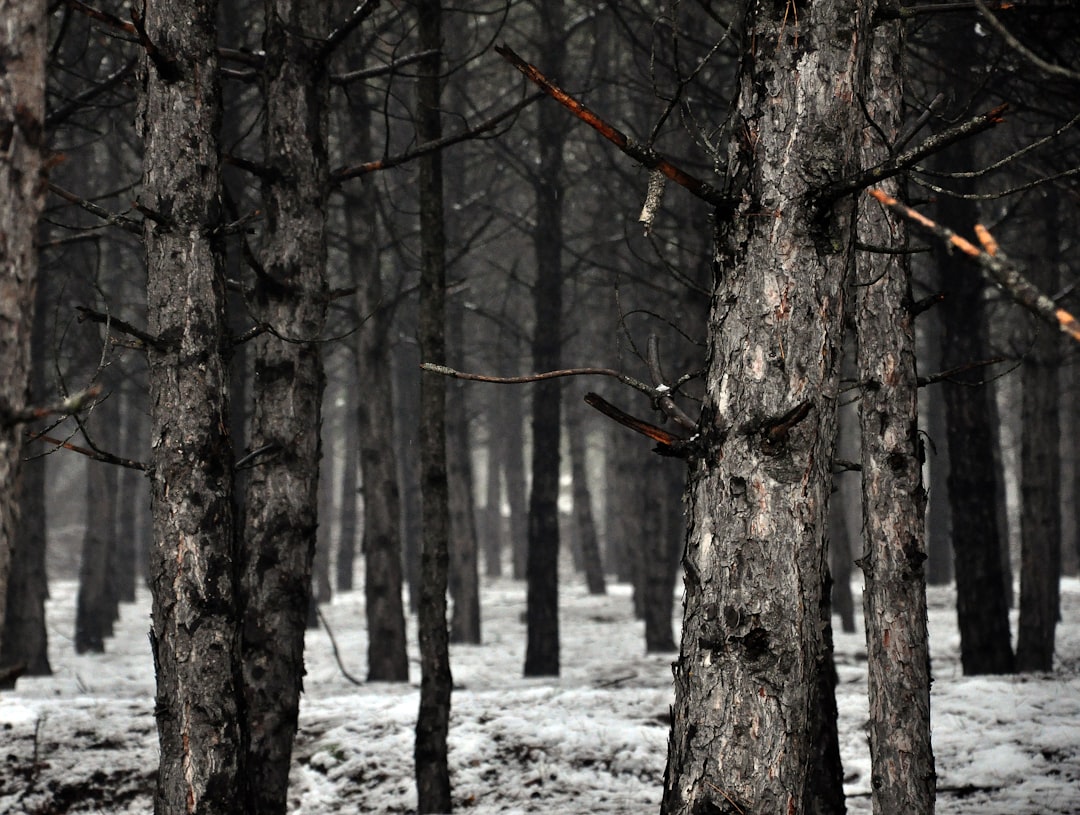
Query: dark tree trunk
[[542, 564], [24, 640], [96, 601], [894, 503], [464, 567], [513, 463], [407, 415], [939, 562], [281, 501], [22, 193], [491, 541], [840, 559], [981, 603], [195, 638], [750, 728], [1040, 476], [382, 533], [433, 720], [349, 516], [588, 542]]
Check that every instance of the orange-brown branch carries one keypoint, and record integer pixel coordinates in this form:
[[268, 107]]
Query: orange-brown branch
[[655, 433], [640, 152], [994, 266]]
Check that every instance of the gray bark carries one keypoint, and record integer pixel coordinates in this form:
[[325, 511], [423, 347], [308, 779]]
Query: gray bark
[[748, 714], [195, 638], [894, 502], [22, 191], [289, 299]]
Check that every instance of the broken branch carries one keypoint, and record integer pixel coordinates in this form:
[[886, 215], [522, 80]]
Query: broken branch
[[994, 266], [637, 151]]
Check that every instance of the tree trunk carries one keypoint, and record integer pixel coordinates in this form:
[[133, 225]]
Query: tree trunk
[[22, 193], [382, 534], [840, 558], [349, 516], [433, 720], [583, 512], [1040, 476], [939, 560], [894, 502], [749, 715], [194, 637], [981, 604], [96, 599], [289, 299], [512, 457], [542, 564]]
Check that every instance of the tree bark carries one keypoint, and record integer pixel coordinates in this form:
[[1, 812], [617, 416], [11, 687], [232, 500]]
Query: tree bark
[[22, 194], [1040, 475], [433, 721], [894, 502], [289, 300], [194, 638], [749, 715]]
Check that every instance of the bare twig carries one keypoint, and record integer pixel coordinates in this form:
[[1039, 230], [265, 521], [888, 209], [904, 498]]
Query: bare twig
[[148, 340], [664, 401], [361, 12], [1014, 43], [636, 384], [667, 443], [995, 268], [636, 150], [74, 403], [111, 218], [96, 455]]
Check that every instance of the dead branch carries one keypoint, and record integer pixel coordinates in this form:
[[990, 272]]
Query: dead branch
[[74, 403], [96, 455], [1014, 43], [898, 164], [994, 266], [636, 384], [943, 376], [667, 443], [345, 173], [664, 402], [379, 70], [110, 218], [110, 322], [102, 17], [363, 10], [646, 156]]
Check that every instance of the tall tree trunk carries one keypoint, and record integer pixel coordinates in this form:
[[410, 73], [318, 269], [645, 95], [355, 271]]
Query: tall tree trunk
[[22, 193], [382, 533], [349, 516], [96, 599], [24, 640], [194, 638], [289, 300], [512, 456], [492, 539], [939, 560], [894, 502], [981, 603], [749, 714], [542, 564], [1040, 476], [433, 720]]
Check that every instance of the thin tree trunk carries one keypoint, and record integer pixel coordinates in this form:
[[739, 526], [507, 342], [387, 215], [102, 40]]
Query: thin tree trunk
[[195, 638], [493, 534], [22, 194], [512, 456], [349, 516], [282, 490], [750, 729], [433, 721], [583, 512], [96, 600], [894, 502], [840, 559], [1040, 477]]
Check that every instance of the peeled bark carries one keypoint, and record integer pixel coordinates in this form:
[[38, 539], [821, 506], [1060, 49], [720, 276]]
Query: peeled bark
[[894, 502], [749, 716], [195, 638], [22, 194]]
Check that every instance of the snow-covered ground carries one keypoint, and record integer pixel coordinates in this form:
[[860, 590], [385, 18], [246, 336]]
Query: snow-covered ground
[[594, 740]]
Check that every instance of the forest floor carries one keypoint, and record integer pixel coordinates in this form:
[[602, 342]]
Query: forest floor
[[593, 740]]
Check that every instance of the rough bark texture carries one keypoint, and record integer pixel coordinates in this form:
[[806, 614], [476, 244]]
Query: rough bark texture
[[982, 605], [748, 717], [289, 299], [894, 502], [433, 721], [1040, 472], [22, 193], [195, 642], [542, 559]]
